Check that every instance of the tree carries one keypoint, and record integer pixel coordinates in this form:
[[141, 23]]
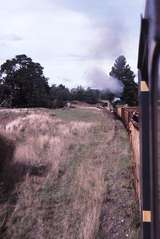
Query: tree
[[78, 93], [122, 71], [91, 96], [25, 82], [88, 95], [59, 95], [107, 95]]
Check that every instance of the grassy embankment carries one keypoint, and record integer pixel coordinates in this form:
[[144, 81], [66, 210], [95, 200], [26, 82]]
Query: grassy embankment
[[60, 176]]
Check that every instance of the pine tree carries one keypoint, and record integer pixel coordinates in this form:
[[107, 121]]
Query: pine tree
[[122, 71]]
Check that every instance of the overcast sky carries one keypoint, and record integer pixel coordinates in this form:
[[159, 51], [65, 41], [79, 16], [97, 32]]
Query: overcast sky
[[71, 38]]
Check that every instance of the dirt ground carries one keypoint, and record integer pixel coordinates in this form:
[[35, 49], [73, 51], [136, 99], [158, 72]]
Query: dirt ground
[[65, 174]]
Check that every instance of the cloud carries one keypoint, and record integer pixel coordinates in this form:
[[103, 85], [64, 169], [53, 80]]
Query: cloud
[[51, 35], [67, 80], [68, 37], [109, 42], [10, 37]]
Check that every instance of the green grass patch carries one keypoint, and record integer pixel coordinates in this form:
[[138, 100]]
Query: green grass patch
[[85, 115]]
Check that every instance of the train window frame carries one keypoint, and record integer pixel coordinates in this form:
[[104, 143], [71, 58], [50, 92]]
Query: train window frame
[[143, 49]]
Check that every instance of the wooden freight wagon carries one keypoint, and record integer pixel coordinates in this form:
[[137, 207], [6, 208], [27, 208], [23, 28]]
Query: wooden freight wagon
[[118, 110], [126, 114]]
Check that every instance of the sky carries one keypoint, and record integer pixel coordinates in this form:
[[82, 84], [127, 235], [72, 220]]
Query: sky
[[71, 39]]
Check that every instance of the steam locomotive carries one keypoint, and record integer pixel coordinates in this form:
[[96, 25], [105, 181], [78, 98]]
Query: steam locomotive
[[149, 92]]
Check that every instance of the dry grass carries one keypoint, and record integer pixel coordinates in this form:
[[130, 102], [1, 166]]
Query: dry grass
[[54, 183]]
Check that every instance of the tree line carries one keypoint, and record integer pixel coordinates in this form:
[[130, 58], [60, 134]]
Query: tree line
[[23, 84]]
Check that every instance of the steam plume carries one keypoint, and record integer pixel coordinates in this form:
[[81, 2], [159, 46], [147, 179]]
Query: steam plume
[[99, 80]]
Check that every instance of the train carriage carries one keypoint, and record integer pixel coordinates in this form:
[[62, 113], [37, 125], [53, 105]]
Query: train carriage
[[149, 82]]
